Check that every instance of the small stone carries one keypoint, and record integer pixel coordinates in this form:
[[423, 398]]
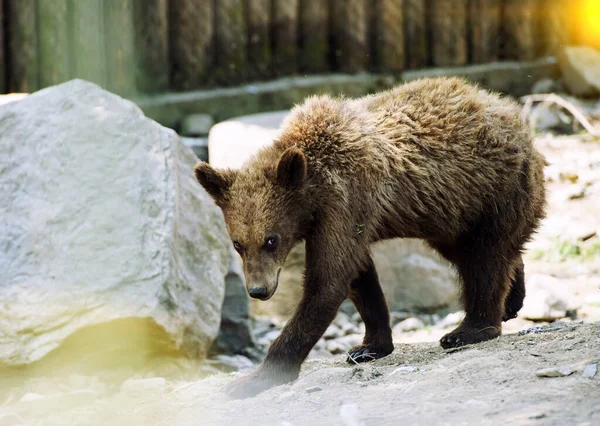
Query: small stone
[[348, 328], [332, 332], [232, 363], [555, 372], [409, 324], [545, 86], [153, 386], [343, 344], [197, 125], [314, 389], [589, 371]]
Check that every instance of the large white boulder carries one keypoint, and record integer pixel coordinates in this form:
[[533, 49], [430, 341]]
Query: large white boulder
[[412, 275], [101, 223], [580, 67]]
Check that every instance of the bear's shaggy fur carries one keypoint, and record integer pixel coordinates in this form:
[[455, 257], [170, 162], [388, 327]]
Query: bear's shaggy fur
[[437, 159]]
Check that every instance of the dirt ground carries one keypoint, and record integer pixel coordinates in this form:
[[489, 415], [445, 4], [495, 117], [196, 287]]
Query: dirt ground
[[493, 383]]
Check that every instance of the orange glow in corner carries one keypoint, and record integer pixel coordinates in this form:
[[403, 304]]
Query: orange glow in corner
[[587, 23]]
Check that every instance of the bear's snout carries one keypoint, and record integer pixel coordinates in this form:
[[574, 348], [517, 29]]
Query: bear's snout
[[258, 292]]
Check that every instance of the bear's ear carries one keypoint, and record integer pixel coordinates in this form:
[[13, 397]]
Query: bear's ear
[[291, 170], [215, 182]]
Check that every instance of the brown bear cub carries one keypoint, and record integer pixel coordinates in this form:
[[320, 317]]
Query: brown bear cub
[[436, 159]]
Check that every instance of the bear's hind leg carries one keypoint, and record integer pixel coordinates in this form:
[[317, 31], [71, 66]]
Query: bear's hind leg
[[485, 276], [367, 296], [516, 295]]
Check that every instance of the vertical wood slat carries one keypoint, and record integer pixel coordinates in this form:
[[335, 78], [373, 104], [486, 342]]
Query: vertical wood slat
[[2, 53], [151, 45], [449, 32], [259, 45], [313, 40], [349, 20], [53, 41], [119, 45], [23, 65], [191, 43], [231, 41], [89, 59], [555, 26], [415, 34], [519, 24], [485, 25], [284, 36], [388, 35]]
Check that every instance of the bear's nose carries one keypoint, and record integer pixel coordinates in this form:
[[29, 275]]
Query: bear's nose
[[258, 292]]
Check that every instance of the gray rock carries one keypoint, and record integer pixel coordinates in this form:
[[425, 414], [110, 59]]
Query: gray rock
[[196, 125], [396, 317], [545, 85], [235, 333], [451, 320], [409, 324], [332, 332], [314, 389], [589, 371], [232, 363], [343, 344], [580, 67], [547, 299], [555, 372], [103, 223]]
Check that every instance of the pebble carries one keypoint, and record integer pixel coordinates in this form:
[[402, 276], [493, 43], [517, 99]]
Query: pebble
[[589, 371], [409, 324], [396, 317], [332, 332], [314, 389], [555, 372]]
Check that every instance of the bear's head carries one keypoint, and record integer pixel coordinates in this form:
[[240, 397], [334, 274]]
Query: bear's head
[[265, 211]]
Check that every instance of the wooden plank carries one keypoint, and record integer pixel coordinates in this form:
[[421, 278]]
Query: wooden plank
[[22, 54], [449, 32], [53, 41], [313, 40], [231, 40], [388, 35], [349, 20], [119, 45], [259, 49], [284, 36], [415, 34], [519, 24], [191, 45], [88, 58], [151, 41], [2, 52], [485, 18]]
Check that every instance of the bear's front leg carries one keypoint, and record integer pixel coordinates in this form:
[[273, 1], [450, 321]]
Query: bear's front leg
[[325, 288]]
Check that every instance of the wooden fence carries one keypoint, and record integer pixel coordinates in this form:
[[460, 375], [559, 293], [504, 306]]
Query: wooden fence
[[148, 46]]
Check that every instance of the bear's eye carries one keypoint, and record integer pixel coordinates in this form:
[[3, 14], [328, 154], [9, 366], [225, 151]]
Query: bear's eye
[[271, 242], [238, 247]]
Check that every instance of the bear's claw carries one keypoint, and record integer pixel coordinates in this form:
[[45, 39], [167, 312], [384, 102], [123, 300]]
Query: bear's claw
[[366, 353]]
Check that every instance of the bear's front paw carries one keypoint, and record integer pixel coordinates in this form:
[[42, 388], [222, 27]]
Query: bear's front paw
[[467, 335], [365, 353], [255, 383]]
